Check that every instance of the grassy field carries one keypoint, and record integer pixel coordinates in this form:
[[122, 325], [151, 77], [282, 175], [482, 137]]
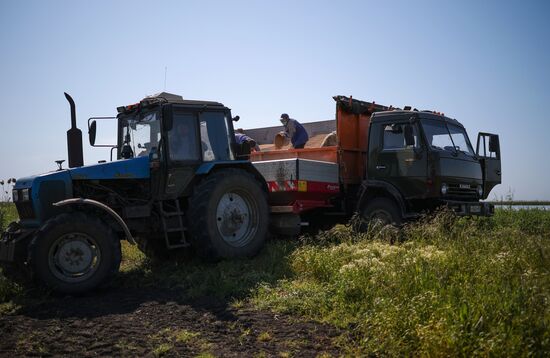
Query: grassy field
[[441, 286]]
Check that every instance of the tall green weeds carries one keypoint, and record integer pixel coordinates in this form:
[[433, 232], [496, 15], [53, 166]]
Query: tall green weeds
[[442, 286]]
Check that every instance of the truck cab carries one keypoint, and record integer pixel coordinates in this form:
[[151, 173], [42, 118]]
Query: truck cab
[[429, 160]]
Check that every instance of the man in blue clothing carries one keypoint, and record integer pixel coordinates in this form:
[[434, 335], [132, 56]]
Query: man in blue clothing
[[295, 131], [240, 138]]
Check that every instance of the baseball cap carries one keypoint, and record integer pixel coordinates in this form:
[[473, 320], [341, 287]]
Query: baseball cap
[[284, 116]]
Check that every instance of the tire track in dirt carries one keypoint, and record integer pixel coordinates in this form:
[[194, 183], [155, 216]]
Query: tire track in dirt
[[152, 322]]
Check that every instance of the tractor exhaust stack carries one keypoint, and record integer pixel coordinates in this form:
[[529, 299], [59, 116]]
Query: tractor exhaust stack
[[74, 139]]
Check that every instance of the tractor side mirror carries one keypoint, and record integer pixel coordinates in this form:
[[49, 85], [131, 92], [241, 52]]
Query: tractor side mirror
[[92, 130], [409, 135]]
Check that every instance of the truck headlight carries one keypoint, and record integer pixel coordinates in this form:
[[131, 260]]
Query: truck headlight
[[15, 195], [480, 190], [25, 194], [444, 189]]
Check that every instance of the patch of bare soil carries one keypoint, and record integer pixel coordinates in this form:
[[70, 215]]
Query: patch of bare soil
[[151, 322]]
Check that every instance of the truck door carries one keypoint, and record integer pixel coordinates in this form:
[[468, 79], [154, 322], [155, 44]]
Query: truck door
[[399, 161], [488, 152]]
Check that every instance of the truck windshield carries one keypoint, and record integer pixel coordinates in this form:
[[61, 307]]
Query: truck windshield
[[460, 139], [141, 134], [447, 137]]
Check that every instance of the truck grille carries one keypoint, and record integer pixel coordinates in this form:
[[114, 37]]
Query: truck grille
[[25, 210], [462, 192]]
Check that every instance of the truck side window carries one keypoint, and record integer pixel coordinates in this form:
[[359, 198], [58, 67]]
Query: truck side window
[[394, 137]]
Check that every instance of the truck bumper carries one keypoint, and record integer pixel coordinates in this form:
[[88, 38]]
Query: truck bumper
[[14, 244], [468, 208]]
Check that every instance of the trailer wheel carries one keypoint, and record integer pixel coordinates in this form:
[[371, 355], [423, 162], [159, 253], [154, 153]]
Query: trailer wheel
[[383, 210], [228, 215], [74, 253]]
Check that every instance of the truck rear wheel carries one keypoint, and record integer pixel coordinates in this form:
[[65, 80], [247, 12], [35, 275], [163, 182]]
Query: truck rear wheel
[[75, 253], [228, 215], [383, 210]]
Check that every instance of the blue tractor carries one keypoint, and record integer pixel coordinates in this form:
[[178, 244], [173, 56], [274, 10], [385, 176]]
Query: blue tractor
[[180, 180]]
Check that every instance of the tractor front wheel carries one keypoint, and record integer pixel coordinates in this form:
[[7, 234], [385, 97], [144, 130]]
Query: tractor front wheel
[[74, 253]]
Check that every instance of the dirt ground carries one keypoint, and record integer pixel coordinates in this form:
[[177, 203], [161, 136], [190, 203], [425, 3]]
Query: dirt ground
[[153, 322]]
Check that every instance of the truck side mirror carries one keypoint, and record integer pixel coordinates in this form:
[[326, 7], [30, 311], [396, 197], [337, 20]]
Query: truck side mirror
[[92, 129], [409, 135], [494, 145]]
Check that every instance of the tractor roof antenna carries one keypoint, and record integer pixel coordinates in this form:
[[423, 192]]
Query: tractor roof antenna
[[165, 71]]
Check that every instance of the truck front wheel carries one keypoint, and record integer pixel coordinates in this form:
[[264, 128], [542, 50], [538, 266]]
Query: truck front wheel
[[383, 210], [74, 253], [228, 215]]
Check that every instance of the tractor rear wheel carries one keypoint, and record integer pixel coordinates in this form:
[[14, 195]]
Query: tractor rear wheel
[[228, 215], [74, 253]]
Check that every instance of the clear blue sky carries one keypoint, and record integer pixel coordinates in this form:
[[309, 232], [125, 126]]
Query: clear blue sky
[[485, 63]]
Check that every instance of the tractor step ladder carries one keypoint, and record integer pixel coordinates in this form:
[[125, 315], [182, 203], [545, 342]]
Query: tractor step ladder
[[172, 224]]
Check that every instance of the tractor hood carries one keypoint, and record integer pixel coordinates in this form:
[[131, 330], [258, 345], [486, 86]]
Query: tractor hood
[[36, 194], [136, 168]]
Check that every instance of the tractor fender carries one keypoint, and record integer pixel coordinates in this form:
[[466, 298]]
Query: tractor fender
[[379, 188], [206, 168], [105, 208]]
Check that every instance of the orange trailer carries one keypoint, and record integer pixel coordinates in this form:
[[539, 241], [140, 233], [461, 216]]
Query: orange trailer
[[290, 192]]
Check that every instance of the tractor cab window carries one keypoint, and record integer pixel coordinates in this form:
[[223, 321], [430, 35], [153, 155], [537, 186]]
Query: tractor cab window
[[182, 138], [215, 139], [394, 136], [140, 135]]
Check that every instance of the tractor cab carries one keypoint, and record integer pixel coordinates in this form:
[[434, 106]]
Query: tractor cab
[[177, 135]]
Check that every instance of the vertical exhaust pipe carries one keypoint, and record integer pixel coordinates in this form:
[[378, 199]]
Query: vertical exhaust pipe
[[74, 139]]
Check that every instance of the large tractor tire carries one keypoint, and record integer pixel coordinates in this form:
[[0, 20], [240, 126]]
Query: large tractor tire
[[228, 215], [74, 253], [383, 210]]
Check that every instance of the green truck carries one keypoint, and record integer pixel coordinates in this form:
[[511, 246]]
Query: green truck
[[390, 164]]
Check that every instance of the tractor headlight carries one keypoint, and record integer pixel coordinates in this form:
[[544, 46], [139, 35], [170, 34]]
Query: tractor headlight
[[25, 194], [15, 195], [480, 191], [444, 189]]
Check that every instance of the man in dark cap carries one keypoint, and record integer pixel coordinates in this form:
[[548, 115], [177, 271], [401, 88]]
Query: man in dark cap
[[295, 131]]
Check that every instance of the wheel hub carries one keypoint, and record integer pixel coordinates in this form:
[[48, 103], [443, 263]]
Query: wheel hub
[[74, 257], [233, 219], [381, 216]]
